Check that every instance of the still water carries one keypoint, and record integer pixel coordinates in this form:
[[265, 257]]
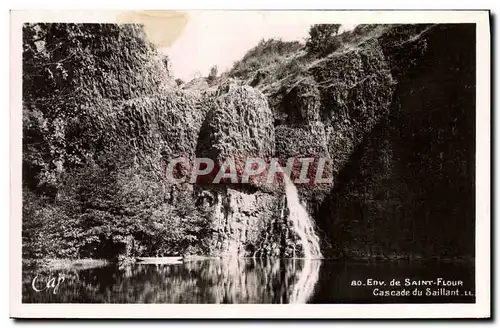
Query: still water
[[252, 281]]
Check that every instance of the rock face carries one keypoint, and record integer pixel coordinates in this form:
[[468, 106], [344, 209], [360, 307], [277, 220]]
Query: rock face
[[249, 219], [307, 141], [408, 189], [240, 124], [327, 113], [239, 219], [71, 110], [395, 115], [167, 124], [302, 103], [356, 89]]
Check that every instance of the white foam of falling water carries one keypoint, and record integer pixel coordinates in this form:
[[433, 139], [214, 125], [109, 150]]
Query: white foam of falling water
[[301, 221]]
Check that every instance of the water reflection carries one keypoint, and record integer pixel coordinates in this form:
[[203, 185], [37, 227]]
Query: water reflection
[[245, 281], [233, 280]]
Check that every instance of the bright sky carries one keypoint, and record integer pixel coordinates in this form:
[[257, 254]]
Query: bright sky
[[221, 38]]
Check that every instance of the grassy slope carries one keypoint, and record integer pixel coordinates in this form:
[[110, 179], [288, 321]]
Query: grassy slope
[[285, 65]]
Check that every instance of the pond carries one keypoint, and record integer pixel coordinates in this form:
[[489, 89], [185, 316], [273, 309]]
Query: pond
[[250, 280]]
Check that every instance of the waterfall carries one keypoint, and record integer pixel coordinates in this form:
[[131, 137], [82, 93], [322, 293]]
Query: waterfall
[[301, 221]]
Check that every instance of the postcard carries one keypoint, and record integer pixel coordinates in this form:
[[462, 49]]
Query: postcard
[[250, 164]]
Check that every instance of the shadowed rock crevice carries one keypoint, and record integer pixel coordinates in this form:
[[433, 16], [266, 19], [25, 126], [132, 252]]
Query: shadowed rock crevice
[[408, 189]]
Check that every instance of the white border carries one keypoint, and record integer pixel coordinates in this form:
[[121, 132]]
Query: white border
[[480, 309]]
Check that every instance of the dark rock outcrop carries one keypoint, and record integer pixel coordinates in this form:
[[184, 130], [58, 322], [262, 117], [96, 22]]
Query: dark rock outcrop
[[239, 124], [327, 113], [408, 189], [356, 91]]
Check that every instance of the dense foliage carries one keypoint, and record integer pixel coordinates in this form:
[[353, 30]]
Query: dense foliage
[[321, 39], [92, 144], [74, 75]]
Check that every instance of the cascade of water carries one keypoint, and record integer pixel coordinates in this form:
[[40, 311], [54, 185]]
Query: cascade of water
[[301, 221]]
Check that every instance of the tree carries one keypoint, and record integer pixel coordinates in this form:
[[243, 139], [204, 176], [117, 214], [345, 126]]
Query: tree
[[212, 76], [168, 64], [321, 39]]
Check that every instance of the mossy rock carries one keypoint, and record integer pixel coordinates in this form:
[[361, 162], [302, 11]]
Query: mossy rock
[[238, 126]]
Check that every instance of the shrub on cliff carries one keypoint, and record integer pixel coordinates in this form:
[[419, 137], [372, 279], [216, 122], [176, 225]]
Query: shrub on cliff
[[322, 39], [212, 76]]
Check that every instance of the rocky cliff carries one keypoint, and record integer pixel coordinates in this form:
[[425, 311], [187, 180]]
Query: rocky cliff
[[408, 188], [393, 111]]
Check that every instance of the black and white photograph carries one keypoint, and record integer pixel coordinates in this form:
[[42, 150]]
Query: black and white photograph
[[247, 157]]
